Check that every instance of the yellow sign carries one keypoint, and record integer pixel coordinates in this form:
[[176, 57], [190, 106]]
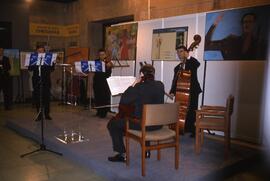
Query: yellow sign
[[54, 30], [72, 30]]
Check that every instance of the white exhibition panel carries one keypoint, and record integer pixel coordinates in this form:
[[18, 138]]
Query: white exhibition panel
[[266, 104], [144, 42], [221, 81]]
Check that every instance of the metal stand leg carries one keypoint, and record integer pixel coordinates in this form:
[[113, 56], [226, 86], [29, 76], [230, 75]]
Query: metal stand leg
[[42, 146]]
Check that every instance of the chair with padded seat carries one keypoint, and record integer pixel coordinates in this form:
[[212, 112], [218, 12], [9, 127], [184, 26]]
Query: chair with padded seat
[[156, 114]]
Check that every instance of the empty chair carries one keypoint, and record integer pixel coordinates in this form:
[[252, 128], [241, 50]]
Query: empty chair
[[216, 118], [156, 114]]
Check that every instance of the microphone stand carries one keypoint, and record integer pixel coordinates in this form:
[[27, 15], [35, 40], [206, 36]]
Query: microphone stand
[[41, 115]]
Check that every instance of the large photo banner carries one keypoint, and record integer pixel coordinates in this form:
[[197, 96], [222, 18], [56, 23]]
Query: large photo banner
[[121, 41], [165, 41], [239, 34]]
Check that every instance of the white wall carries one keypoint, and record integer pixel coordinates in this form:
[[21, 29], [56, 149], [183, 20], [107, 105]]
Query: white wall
[[242, 79], [266, 112]]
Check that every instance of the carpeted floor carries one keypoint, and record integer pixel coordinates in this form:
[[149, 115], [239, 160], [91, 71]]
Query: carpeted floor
[[93, 153]]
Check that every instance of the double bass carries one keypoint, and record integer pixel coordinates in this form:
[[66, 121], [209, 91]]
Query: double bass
[[183, 84]]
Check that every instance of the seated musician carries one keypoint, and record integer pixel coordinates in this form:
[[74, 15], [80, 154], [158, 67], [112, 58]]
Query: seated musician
[[146, 90], [188, 62]]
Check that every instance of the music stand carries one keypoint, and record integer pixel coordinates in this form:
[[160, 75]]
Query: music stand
[[89, 66], [40, 60]]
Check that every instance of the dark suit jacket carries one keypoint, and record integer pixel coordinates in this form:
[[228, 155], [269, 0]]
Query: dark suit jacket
[[101, 88], [192, 64], [147, 92], [45, 76]]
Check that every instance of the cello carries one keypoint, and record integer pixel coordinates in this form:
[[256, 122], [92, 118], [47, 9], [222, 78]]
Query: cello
[[183, 84], [126, 110]]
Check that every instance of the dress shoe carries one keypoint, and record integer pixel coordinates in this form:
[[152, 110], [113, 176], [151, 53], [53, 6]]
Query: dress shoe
[[117, 158], [48, 117], [147, 154]]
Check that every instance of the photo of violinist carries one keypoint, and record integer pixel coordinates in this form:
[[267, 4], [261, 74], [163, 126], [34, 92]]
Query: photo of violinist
[[188, 62], [145, 90], [101, 89]]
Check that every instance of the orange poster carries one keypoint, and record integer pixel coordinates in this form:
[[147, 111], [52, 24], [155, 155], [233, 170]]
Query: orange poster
[[76, 54]]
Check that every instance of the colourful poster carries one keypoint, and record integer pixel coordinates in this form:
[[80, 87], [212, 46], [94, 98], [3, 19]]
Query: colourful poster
[[76, 54], [14, 59], [121, 41], [60, 57], [23, 60]]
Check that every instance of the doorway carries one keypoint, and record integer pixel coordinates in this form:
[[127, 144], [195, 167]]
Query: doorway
[[5, 35]]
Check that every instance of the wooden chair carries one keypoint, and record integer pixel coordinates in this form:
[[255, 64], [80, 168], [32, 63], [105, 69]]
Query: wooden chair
[[214, 118], [156, 114]]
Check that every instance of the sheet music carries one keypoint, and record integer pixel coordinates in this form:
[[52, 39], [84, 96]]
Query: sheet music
[[118, 84], [33, 59], [86, 66]]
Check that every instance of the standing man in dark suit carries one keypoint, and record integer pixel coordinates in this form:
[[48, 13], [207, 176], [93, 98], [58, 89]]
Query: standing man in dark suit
[[5, 80], [45, 82], [101, 87], [188, 62]]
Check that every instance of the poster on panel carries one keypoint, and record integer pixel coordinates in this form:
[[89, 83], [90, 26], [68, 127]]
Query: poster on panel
[[23, 60], [76, 54], [121, 41], [60, 57], [14, 59], [165, 41], [238, 34]]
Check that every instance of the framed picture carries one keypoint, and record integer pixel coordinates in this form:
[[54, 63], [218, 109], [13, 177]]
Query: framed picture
[[121, 41], [165, 41]]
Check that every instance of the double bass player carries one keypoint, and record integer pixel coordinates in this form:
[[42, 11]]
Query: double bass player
[[190, 63]]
